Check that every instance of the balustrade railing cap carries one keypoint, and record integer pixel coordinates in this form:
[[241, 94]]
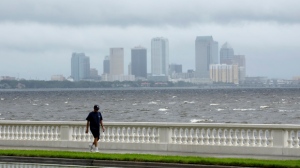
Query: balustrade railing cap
[[158, 124]]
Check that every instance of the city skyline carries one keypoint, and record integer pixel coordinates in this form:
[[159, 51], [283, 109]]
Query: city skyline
[[36, 42]]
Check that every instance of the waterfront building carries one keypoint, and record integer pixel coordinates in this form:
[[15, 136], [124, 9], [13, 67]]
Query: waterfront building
[[116, 61], [226, 54], [224, 73], [58, 78], [206, 53], [106, 65], [80, 66], [7, 78], [159, 56], [139, 62]]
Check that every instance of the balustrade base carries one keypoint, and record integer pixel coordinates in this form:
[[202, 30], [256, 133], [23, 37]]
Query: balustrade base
[[163, 147]]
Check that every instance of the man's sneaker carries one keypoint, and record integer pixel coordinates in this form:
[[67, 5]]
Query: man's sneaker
[[96, 150], [91, 146]]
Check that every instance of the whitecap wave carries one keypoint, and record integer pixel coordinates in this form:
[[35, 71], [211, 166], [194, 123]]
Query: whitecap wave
[[249, 109], [34, 104], [162, 109], [262, 107], [134, 104], [152, 102], [66, 102], [286, 110], [214, 104], [174, 97], [2, 99], [220, 109], [187, 102], [46, 104], [200, 120]]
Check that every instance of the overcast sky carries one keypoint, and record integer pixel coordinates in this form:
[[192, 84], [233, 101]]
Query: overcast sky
[[38, 37]]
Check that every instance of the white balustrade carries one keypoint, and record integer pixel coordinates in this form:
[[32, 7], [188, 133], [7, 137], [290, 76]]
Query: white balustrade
[[180, 137]]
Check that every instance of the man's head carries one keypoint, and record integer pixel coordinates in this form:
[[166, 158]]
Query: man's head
[[96, 107]]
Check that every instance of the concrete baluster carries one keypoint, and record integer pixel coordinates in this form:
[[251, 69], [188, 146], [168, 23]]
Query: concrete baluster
[[190, 136], [296, 139], [147, 137], [118, 131], [122, 134], [1, 132], [212, 136], [4, 132], [260, 134], [113, 134], [241, 137], [247, 139], [12, 132], [137, 134], [195, 136], [132, 134], [253, 139], [290, 138], [107, 134]]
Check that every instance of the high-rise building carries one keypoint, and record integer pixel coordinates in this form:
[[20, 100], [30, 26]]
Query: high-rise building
[[139, 62], [206, 53], [226, 54], [159, 56], [224, 73], [94, 73], [106, 67], [116, 61], [175, 68], [80, 66], [240, 60]]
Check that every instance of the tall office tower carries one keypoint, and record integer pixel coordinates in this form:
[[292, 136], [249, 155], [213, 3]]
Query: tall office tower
[[106, 65], [93, 73], [206, 53], [139, 62], [80, 66], [116, 61], [159, 56], [240, 60], [226, 54], [175, 68]]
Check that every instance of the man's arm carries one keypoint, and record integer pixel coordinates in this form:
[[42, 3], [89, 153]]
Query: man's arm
[[87, 127], [101, 123]]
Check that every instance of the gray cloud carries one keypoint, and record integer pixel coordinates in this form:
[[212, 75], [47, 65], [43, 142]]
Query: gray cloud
[[149, 13]]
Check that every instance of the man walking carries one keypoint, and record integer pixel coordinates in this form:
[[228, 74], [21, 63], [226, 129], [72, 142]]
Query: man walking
[[94, 120]]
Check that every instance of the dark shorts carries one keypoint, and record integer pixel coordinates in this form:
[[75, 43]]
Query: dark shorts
[[96, 133]]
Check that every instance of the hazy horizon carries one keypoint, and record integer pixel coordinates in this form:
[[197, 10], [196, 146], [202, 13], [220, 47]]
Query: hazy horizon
[[37, 38]]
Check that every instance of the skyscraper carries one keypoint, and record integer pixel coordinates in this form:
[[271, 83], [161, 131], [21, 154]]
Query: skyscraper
[[139, 62], [175, 68], [226, 54], [240, 60], [159, 56], [116, 61], [106, 65], [206, 53], [80, 66]]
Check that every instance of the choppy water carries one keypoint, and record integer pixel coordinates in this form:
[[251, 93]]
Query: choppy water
[[155, 105]]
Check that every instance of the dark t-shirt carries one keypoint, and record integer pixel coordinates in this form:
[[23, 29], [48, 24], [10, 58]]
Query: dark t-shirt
[[94, 118]]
